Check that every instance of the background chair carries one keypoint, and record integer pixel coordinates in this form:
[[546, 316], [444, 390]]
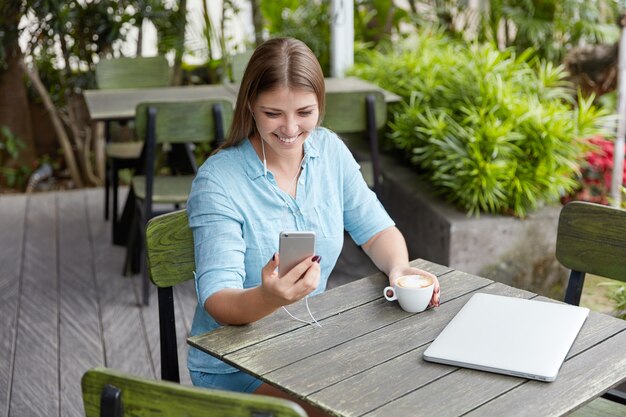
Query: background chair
[[239, 64], [591, 238], [174, 123], [354, 115], [109, 393], [119, 73]]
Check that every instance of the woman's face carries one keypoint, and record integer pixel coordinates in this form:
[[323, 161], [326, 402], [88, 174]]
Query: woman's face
[[285, 117]]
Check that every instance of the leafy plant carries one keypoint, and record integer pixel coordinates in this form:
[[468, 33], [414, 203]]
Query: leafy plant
[[12, 174], [493, 131], [550, 26], [307, 21], [617, 294]]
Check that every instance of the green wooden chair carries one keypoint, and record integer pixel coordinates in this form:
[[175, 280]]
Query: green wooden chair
[[356, 114], [122, 73], [171, 261], [110, 393], [591, 238], [173, 123], [239, 64]]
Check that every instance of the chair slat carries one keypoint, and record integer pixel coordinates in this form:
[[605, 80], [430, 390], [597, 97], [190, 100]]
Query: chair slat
[[183, 122], [169, 243], [143, 397], [592, 238], [346, 111], [139, 72], [171, 190]]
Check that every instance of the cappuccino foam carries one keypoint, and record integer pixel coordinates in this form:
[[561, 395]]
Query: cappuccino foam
[[414, 281]]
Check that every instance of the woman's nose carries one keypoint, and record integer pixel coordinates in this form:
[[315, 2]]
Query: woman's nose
[[290, 127]]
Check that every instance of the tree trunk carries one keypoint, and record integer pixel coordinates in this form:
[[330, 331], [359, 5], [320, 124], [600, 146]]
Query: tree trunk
[[177, 76], [66, 145], [14, 110], [257, 21]]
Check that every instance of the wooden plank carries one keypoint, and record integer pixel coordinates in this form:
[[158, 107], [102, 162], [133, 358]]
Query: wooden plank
[[36, 393], [291, 347], [80, 334], [371, 387], [326, 368], [592, 238], [125, 340], [608, 362], [336, 301], [12, 219], [466, 389]]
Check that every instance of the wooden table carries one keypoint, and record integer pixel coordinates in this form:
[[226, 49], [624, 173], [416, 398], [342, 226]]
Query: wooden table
[[119, 104], [366, 359], [346, 84]]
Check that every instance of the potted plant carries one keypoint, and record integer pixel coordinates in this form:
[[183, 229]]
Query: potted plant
[[496, 138]]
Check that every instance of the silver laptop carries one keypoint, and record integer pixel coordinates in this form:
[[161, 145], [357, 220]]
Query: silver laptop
[[508, 335]]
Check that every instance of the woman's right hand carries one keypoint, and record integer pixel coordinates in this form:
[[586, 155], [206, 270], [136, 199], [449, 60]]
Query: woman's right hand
[[302, 280]]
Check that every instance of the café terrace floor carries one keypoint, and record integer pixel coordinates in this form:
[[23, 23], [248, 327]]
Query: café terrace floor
[[65, 306]]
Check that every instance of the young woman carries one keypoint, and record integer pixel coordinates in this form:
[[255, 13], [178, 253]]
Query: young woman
[[278, 170]]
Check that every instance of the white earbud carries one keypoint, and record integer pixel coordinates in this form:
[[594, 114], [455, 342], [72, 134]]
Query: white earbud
[[264, 160]]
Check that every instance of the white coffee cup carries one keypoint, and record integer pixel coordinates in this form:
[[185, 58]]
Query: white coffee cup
[[413, 292]]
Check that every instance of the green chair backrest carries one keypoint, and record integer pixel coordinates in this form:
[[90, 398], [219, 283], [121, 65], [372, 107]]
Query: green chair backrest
[[183, 121], [239, 64], [169, 245], [360, 114], [139, 72], [170, 261], [591, 238], [143, 397], [346, 111]]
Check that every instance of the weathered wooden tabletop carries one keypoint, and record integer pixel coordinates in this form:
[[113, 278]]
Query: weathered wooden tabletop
[[120, 104], [366, 359]]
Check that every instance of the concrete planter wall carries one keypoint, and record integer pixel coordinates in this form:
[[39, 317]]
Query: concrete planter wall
[[514, 251]]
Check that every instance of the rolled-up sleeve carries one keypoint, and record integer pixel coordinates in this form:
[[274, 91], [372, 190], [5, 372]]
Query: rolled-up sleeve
[[218, 238]]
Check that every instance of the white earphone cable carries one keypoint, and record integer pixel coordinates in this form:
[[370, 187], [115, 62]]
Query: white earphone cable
[[306, 299], [312, 323]]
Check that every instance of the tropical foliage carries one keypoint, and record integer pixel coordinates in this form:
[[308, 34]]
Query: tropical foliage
[[492, 131]]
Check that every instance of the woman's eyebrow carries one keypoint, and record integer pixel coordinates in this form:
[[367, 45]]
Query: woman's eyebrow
[[307, 107]]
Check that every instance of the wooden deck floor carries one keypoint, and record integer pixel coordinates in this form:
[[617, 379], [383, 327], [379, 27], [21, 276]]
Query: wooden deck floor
[[65, 306]]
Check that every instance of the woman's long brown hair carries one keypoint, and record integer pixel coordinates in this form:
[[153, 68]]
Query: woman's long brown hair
[[276, 63]]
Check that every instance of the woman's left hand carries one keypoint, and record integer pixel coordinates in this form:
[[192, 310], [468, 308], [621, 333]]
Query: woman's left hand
[[400, 271]]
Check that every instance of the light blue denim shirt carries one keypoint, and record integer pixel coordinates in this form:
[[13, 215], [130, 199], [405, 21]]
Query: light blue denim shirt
[[236, 214]]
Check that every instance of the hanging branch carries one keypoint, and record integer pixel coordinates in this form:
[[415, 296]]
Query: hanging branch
[[56, 121]]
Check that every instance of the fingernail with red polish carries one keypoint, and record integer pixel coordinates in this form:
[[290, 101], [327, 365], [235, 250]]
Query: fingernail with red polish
[[273, 257], [316, 258]]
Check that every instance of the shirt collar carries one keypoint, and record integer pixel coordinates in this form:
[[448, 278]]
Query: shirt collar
[[254, 166]]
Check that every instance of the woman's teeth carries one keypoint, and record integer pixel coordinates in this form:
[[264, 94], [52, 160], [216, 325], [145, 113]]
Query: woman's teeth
[[287, 139]]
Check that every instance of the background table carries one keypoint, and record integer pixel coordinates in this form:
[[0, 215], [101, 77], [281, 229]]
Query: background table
[[108, 105], [366, 359]]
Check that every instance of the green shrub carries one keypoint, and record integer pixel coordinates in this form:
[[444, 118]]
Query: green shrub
[[493, 131]]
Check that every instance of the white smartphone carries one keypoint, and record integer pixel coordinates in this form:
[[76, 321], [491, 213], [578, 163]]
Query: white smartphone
[[293, 248]]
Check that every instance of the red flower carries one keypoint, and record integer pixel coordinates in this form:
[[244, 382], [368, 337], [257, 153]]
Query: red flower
[[596, 171]]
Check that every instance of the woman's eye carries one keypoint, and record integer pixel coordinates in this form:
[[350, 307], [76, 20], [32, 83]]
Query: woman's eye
[[272, 115], [306, 113]]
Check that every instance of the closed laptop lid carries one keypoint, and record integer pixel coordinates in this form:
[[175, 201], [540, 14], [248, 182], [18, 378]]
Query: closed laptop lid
[[514, 336]]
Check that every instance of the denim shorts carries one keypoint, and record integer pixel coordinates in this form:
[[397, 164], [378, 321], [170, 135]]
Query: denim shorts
[[236, 381]]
